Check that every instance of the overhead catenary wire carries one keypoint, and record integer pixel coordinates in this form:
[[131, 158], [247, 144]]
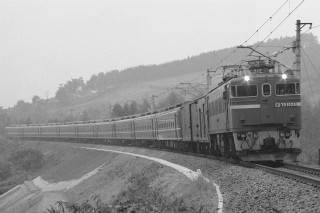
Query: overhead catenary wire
[[290, 13], [314, 67], [305, 67], [202, 76], [255, 32], [289, 45]]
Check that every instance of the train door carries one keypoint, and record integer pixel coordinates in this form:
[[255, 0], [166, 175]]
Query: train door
[[154, 126], [194, 122], [267, 114], [205, 120], [133, 131], [114, 132], [186, 126], [202, 121]]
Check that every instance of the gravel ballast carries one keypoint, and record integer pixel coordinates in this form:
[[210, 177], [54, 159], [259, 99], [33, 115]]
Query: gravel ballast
[[245, 189]]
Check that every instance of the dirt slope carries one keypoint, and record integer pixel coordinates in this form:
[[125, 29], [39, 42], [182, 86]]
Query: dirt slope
[[125, 182]]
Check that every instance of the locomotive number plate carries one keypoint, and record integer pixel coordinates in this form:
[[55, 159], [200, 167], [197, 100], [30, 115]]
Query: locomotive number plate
[[288, 104]]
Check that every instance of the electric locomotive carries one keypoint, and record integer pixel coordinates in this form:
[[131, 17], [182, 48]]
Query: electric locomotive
[[255, 114]]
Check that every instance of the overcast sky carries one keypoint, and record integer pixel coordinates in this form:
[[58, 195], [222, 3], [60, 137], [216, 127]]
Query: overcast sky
[[44, 43]]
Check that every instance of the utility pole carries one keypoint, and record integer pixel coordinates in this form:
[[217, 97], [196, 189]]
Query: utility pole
[[298, 46], [153, 102], [209, 78]]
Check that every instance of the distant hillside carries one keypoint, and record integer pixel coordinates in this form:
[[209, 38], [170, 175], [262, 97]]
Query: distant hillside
[[201, 62], [96, 97]]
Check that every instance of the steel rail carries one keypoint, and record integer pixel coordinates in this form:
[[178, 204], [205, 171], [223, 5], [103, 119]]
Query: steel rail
[[301, 178], [300, 168], [277, 171]]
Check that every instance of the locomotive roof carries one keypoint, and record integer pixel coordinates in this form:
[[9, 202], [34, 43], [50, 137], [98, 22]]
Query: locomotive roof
[[290, 78]]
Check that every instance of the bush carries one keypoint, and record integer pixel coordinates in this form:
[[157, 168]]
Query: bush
[[28, 159], [5, 170], [95, 205]]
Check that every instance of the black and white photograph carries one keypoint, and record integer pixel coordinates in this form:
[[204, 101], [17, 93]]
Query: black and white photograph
[[159, 106]]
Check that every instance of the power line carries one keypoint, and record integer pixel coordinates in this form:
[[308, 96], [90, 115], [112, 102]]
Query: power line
[[278, 25], [269, 19], [304, 64], [235, 49], [290, 13], [314, 67], [289, 45]]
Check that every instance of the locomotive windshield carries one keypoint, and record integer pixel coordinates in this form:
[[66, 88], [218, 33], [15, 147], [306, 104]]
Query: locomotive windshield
[[288, 89], [266, 89], [244, 91]]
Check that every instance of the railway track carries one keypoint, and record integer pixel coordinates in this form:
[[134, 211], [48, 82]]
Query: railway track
[[292, 171], [296, 172], [308, 170]]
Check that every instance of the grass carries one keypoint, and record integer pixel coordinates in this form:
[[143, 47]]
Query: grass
[[17, 163], [139, 196]]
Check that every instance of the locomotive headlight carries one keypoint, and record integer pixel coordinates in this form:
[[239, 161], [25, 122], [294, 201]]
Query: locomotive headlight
[[281, 134], [287, 134], [243, 136], [246, 78], [284, 76]]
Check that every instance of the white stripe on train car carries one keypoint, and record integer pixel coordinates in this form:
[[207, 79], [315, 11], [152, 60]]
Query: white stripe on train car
[[247, 106]]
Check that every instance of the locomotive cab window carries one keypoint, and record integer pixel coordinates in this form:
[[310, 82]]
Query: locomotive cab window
[[244, 91], [288, 89], [266, 89]]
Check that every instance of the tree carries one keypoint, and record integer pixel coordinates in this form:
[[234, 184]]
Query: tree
[[35, 99], [101, 83], [62, 95], [170, 100], [133, 107], [126, 109], [4, 120], [145, 105], [28, 121], [117, 110], [85, 116], [92, 83]]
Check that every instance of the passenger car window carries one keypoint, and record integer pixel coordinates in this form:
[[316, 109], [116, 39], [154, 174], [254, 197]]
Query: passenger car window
[[288, 89], [298, 88], [266, 89]]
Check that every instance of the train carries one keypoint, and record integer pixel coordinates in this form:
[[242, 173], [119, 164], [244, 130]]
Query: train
[[254, 114]]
